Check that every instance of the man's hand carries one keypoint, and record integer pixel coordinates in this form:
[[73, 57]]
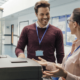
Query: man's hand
[[21, 55]]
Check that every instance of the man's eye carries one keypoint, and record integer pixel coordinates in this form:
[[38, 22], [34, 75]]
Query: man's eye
[[42, 14], [47, 14]]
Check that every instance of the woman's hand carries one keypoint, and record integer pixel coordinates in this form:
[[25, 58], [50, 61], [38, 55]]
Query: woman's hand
[[49, 65], [42, 61], [59, 72]]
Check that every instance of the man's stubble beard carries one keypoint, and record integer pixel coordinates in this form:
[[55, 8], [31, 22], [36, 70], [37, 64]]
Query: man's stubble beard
[[40, 21]]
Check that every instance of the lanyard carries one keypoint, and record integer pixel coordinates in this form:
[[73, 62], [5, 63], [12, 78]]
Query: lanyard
[[42, 36], [74, 51]]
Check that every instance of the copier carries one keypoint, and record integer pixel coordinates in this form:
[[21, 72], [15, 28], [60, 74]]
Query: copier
[[19, 69]]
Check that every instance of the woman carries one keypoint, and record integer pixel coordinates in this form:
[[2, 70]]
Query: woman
[[70, 68]]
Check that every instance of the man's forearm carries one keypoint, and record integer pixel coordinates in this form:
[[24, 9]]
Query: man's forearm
[[21, 55]]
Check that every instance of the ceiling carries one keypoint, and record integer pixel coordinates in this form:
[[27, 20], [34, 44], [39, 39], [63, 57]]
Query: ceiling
[[2, 2]]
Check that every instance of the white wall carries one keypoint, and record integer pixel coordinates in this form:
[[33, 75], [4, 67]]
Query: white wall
[[29, 17], [15, 38], [7, 31], [64, 9], [0, 14], [0, 33]]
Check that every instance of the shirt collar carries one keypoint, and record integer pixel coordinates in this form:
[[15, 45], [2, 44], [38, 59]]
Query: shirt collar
[[41, 27]]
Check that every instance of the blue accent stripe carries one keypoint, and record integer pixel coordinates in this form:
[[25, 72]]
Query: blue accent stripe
[[74, 51], [63, 32], [69, 43]]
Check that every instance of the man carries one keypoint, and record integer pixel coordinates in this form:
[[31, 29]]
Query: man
[[41, 37]]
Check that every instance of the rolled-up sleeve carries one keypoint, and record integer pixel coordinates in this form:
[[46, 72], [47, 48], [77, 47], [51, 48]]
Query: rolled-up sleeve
[[23, 40]]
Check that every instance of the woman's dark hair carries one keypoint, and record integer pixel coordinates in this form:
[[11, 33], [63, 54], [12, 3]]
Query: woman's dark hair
[[41, 3], [76, 15]]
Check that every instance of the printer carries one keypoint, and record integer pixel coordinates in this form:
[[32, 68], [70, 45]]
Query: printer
[[19, 69]]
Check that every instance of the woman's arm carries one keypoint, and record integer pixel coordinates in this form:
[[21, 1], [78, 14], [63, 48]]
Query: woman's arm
[[72, 77], [60, 72], [52, 66]]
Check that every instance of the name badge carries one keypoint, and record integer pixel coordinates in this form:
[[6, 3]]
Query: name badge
[[39, 53]]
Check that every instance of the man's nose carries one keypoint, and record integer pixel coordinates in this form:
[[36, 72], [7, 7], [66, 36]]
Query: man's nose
[[45, 16]]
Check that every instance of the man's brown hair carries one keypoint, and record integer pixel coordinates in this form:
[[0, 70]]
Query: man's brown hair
[[41, 3], [76, 15]]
